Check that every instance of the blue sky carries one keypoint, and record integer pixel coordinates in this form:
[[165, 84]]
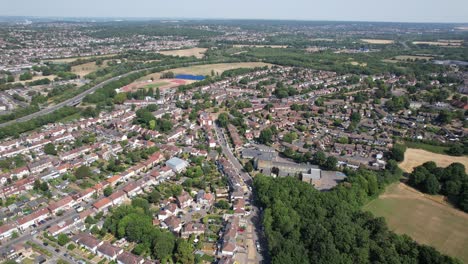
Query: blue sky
[[349, 10]]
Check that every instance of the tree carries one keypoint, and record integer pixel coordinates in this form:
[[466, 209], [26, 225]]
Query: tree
[[319, 158], [152, 124], [83, 172], [62, 239], [37, 185], [44, 187], [265, 136], [163, 244], [184, 252], [223, 119], [248, 166], [108, 191], [157, 95], [49, 149], [222, 204], [398, 152], [330, 163], [120, 98]]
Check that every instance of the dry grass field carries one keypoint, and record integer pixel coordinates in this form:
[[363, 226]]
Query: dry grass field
[[261, 46], [86, 68], [207, 68], [50, 77], [71, 59], [197, 52], [443, 43], [378, 41], [424, 218], [413, 57], [416, 157]]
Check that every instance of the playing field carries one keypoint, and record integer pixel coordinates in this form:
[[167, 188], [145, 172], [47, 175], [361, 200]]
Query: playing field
[[67, 60], [207, 68], [261, 46], [415, 157], [197, 52], [424, 218], [86, 68], [378, 41]]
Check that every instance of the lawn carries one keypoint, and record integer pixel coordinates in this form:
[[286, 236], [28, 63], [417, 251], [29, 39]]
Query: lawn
[[156, 85], [87, 68], [415, 157], [426, 219], [378, 41]]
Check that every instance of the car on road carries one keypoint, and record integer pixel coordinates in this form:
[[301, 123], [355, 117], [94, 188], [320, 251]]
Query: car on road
[[258, 246], [45, 244], [33, 232], [57, 250]]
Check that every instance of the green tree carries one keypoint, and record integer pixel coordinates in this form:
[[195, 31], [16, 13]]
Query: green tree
[[108, 191], [83, 172], [62, 239], [398, 152], [319, 158], [184, 252], [265, 136], [223, 119], [49, 149]]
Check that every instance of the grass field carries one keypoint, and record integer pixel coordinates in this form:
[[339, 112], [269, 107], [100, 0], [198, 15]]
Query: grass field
[[50, 77], [428, 147], [71, 59], [86, 68], [207, 68], [415, 157], [378, 41], [261, 46], [197, 52], [443, 43], [156, 85], [424, 218]]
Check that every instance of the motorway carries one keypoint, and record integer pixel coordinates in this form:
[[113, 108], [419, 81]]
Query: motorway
[[69, 102], [254, 219], [77, 99]]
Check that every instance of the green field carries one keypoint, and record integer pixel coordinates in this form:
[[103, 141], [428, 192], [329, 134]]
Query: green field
[[156, 85], [426, 219], [428, 147]]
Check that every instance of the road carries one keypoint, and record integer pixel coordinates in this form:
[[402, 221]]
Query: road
[[69, 102], [77, 99], [55, 255], [254, 219]]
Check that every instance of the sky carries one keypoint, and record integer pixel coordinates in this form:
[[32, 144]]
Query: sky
[[336, 10]]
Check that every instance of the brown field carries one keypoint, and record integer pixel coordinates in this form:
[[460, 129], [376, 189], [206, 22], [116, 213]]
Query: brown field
[[378, 41], [50, 77], [261, 46], [71, 59], [443, 43], [322, 39], [207, 68], [425, 218], [197, 52], [413, 57], [355, 63], [86, 68], [416, 157]]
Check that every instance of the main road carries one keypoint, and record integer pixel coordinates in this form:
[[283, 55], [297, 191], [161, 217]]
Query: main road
[[77, 99], [72, 101]]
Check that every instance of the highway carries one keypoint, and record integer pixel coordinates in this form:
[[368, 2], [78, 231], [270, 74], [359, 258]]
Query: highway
[[72, 101]]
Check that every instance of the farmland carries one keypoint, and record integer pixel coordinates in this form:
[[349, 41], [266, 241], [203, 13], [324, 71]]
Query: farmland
[[378, 41], [197, 52], [424, 218], [415, 157]]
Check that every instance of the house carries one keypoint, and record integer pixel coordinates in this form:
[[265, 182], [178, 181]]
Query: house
[[177, 165], [33, 218], [169, 210], [87, 241], [205, 120], [7, 230], [109, 251], [193, 228], [184, 200], [129, 258], [117, 197], [62, 205], [173, 223], [205, 199], [132, 189], [103, 204]]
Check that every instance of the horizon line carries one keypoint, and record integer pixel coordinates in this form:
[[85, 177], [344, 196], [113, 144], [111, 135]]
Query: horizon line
[[225, 19]]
